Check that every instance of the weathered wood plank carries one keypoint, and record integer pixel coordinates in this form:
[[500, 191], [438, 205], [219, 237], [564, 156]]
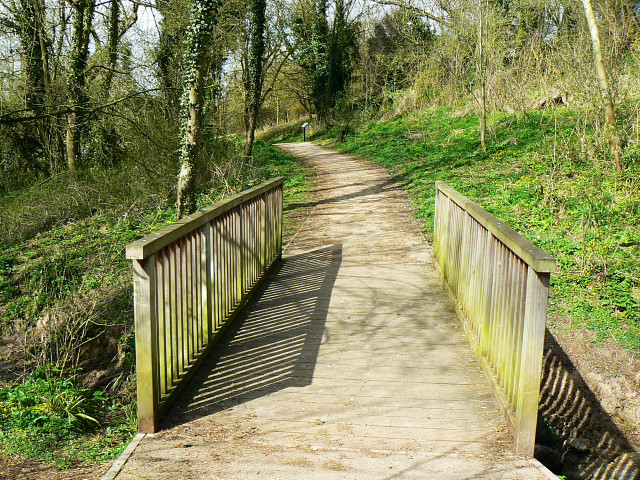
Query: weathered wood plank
[[144, 281], [531, 363]]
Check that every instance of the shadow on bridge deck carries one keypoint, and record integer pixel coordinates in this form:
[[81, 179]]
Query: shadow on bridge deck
[[272, 345]]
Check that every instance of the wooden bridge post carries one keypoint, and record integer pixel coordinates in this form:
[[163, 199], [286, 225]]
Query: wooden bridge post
[[531, 361], [206, 279], [144, 291]]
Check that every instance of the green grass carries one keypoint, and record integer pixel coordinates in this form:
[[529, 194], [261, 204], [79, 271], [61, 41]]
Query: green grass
[[547, 177], [299, 179]]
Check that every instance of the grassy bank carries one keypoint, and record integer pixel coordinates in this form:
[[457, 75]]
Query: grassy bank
[[66, 306], [549, 178]]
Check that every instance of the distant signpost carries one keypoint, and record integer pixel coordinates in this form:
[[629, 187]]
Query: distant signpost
[[304, 131]]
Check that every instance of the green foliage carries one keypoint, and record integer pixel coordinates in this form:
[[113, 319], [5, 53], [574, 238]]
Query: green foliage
[[327, 53], [49, 417], [398, 41], [298, 178], [549, 179]]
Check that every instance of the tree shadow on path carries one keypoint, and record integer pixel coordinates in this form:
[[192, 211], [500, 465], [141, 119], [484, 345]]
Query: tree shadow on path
[[272, 345]]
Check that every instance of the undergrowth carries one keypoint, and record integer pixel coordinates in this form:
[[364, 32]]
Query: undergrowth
[[50, 418], [548, 177], [66, 299]]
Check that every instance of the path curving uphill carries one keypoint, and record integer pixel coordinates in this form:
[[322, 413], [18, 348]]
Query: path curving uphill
[[348, 364]]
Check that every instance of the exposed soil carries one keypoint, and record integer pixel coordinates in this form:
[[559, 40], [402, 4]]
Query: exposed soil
[[16, 469], [612, 374], [590, 405]]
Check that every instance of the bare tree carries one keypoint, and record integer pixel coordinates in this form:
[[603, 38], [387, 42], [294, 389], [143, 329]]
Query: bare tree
[[610, 117]]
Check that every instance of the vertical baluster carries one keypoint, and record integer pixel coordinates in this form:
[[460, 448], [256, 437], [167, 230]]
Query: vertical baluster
[[193, 313], [522, 289], [233, 250], [162, 336], [173, 295], [504, 302], [513, 322], [279, 219], [270, 225], [251, 253], [247, 216], [475, 272], [197, 330], [222, 272], [505, 347], [239, 253], [196, 292], [496, 301], [206, 287], [228, 285], [182, 303], [187, 299], [195, 284], [487, 282], [217, 275]]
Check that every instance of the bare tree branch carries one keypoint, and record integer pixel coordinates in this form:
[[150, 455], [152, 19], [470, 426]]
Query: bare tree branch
[[413, 8]]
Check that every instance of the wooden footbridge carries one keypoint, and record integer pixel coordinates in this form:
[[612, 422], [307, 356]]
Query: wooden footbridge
[[349, 361]]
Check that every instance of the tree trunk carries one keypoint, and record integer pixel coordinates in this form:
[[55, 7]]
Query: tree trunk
[[610, 118], [76, 83], [112, 45], [483, 80], [34, 58], [73, 141], [256, 80], [195, 62]]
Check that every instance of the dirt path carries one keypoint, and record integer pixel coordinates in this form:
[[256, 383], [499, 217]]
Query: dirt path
[[348, 364]]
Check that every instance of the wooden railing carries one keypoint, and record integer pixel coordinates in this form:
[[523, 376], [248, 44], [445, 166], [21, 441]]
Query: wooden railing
[[191, 279], [500, 283]]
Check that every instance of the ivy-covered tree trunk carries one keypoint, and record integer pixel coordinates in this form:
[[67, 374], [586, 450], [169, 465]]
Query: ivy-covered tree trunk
[[195, 62], [35, 58], [256, 80], [610, 117], [112, 44], [76, 83]]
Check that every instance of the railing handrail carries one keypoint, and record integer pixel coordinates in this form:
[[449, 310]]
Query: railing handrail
[[190, 280], [499, 282], [151, 243], [529, 252]]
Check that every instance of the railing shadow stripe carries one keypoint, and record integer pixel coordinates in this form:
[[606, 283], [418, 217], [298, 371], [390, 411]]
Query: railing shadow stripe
[[249, 367]]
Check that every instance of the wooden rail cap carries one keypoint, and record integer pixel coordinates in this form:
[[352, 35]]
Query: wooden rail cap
[[149, 244], [531, 254]]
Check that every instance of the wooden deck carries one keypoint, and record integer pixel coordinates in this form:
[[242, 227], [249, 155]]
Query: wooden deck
[[348, 364]]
